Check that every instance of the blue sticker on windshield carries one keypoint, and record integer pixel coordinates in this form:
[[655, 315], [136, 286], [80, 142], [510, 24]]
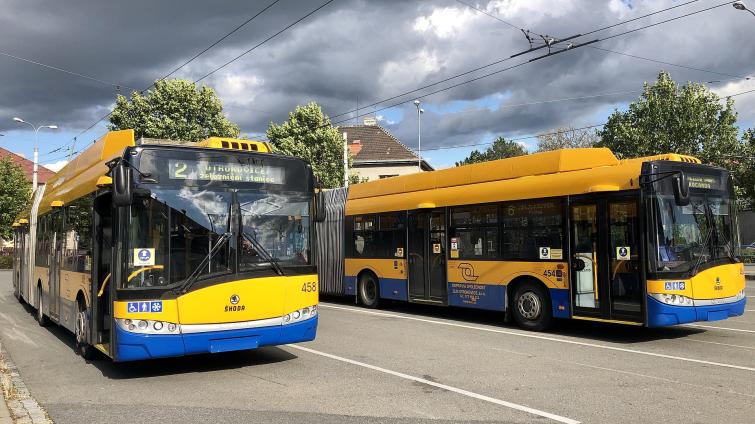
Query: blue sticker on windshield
[[675, 285]]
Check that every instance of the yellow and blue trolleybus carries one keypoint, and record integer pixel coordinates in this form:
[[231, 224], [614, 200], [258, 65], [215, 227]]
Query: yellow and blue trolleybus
[[571, 233], [153, 248]]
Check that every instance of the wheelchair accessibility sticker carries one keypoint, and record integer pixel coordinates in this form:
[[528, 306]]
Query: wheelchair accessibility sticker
[[146, 307]]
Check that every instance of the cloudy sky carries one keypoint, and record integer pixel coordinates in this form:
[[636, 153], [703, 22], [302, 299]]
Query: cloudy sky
[[361, 52]]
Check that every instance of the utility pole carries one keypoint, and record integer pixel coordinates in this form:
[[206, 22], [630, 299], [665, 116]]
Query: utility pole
[[419, 134], [345, 159], [36, 146]]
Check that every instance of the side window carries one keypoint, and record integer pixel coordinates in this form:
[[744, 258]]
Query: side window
[[530, 226], [77, 235], [377, 236], [41, 252], [475, 229]]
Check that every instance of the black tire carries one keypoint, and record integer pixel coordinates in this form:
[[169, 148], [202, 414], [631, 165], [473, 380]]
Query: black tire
[[83, 348], [369, 290], [531, 307], [42, 320]]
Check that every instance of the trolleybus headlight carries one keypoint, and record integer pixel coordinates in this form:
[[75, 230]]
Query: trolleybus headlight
[[740, 296], [148, 326], [300, 315], [673, 299]]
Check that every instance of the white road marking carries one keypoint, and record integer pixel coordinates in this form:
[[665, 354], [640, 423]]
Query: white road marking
[[668, 380], [721, 344], [540, 337], [457, 390], [720, 328], [749, 310]]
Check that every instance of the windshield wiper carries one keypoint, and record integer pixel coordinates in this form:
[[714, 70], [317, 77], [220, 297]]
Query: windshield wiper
[[195, 274], [704, 245], [264, 253]]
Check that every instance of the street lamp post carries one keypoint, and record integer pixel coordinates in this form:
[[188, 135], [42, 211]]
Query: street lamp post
[[36, 146], [419, 134], [740, 5]]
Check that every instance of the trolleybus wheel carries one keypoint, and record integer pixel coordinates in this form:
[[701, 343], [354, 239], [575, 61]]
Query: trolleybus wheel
[[532, 307], [82, 347], [369, 290], [41, 318]]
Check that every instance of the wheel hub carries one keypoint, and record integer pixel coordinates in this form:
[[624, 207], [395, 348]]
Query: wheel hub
[[529, 305]]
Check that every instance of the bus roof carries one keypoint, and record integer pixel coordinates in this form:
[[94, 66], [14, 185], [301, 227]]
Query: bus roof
[[545, 174], [83, 173]]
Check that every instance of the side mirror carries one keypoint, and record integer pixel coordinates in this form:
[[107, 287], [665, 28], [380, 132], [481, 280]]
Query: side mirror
[[320, 211], [578, 264], [681, 189], [122, 179]]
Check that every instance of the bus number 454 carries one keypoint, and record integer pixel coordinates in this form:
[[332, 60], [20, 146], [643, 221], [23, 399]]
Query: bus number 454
[[309, 287]]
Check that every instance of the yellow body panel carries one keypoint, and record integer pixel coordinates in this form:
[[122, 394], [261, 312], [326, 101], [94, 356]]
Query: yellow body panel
[[503, 272], [713, 283], [259, 298], [383, 268], [73, 282], [546, 174]]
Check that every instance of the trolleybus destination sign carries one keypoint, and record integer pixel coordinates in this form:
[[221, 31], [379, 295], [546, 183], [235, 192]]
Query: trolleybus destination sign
[[181, 169]]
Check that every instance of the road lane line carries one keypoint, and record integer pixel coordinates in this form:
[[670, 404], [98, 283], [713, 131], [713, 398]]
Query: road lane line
[[722, 344], [720, 328], [457, 390], [668, 380], [540, 337]]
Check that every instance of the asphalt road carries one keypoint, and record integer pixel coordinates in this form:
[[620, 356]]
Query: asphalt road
[[407, 363]]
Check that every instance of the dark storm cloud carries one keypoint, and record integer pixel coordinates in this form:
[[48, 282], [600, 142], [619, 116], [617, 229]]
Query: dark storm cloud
[[349, 50]]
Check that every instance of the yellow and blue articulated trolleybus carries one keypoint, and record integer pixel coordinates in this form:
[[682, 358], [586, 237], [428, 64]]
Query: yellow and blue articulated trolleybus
[[572, 233], [154, 248]]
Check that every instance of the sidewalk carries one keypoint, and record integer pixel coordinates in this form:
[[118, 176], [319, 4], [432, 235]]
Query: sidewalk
[[5, 414], [750, 271], [17, 406]]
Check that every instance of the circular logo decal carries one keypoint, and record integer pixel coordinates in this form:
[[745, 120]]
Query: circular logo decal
[[235, 299], [144, 255]]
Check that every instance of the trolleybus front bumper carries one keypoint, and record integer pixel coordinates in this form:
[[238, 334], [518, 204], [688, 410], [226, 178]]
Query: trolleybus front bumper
[[132, 346], [661, 314]]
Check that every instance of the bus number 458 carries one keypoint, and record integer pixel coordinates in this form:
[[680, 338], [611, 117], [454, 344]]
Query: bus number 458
[[309, 287]]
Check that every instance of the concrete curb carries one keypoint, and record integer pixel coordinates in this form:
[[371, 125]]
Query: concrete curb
[[23, 408]]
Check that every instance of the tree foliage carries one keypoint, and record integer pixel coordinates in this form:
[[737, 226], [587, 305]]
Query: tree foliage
[[745, 177], [309, 134], [500, 149], [567, 138], [689, 119], [173, 109], [15, 193]]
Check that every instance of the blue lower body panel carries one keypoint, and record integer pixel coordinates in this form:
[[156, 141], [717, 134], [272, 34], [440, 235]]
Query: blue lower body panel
[[479, 296], [661, 314], [393, 288], [560, 303], [349, 285], [134, 346]]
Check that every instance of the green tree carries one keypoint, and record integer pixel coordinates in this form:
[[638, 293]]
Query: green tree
[[500, 149], [668, 118], [15, 192], [567, 138], [173, 109], [745, 175], [309, 134]]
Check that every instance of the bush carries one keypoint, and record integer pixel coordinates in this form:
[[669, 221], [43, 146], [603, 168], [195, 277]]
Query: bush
[[6, 262]]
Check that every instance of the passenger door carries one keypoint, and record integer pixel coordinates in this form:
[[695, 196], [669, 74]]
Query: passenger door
[[427, 256], [605, 259], [56, 247]]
